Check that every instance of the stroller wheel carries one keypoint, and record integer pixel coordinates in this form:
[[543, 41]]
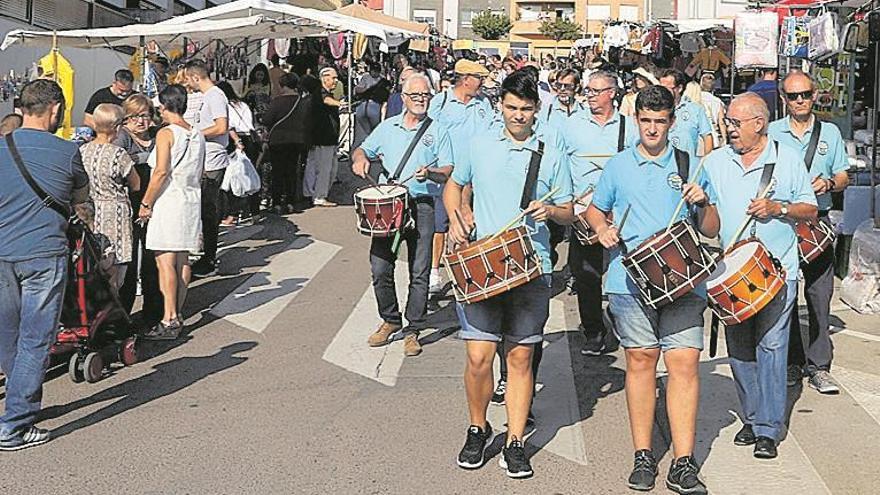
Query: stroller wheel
[[128, 351], [74, 368], [93, 367]]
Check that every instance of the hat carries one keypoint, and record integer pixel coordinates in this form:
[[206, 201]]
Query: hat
[[466, 67], [646, 74]]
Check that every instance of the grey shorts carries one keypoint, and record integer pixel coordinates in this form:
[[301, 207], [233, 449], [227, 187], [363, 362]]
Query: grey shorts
[[517, 316], [678, 325]]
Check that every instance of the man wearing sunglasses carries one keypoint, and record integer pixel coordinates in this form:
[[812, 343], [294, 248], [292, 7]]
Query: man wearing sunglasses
[[558, 112], [692, 131], [820, 144]]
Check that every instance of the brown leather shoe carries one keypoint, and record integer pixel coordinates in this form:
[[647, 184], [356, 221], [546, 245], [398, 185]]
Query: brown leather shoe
[[411, 346], [380, 336]]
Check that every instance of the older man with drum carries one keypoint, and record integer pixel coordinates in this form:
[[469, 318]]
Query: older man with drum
[[675, 329], [497, 164], [761, 188], [821, 147], [408, 146]]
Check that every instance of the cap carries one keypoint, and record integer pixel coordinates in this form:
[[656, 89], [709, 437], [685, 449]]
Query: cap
[[646, 74], [466, 67]]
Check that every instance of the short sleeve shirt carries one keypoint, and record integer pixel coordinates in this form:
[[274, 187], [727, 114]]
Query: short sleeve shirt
[[556, 115], [28, 229], [691, 123], [497, 168], [829, 158], [462, 120], [735, 186], [103, 95], [651, 189], [214, 106], [390, 140], [585, 137]]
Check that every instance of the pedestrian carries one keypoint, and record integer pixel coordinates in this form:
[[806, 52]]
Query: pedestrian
[[322, 163], [714, 109], [394, 107], [213, 122], [692, 131], [111, 176], [368, 112], [256, 93], [275, 73], [289, 123], [766, 88], [241, 137], [116, 93], [172, 207], [34, 253]]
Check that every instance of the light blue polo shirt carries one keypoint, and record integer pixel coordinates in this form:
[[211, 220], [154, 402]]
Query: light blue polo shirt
[[585, 136], [389, 142], [653, 189], [830, 157], [735, 187], [462, 120], [554, 114], [497, 167], [691, 122]]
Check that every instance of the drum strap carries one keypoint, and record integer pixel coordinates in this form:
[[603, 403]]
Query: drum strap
[[814, 142], [621, 134], [683, 162], [766, 176], [410, 148], [45, 198], [532, 176], [713, 335]]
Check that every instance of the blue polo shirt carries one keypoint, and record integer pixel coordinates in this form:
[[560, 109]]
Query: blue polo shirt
[[735, 187], [830, 157], [497, 167], [691, 122], [554, 114], [653, 189], [461, 120], [389, 142], [585, 136]]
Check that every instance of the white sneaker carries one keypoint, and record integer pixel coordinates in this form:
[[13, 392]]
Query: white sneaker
[[435, 283]]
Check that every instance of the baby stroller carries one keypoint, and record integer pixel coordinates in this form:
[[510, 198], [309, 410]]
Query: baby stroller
[[94, 328]]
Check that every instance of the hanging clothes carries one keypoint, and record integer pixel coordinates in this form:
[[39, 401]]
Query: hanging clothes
[[282, 47], [55, 66], [337, 44]]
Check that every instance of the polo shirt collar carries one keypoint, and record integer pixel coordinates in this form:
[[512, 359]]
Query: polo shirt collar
[[661, 161], [767, 156], [788, 129], [397, 120], [530, 144], [554, 104], [615, 116]]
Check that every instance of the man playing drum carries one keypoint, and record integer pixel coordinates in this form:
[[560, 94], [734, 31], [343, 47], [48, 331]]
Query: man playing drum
[[758, 347], [675, 329], [431, 162], [590, 138], [496, 165], [809, 348]]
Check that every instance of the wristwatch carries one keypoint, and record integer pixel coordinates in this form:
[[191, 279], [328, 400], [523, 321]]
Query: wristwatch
[[146, 206], [830, 185], [783, 212]]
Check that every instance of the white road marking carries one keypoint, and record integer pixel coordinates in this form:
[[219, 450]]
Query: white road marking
[[863, 387], [256, 302]]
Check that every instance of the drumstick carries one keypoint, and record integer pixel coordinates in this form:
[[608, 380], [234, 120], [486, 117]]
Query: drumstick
[[372, 181], [414, 173], [592, 155], [749, 218], [524, 213], [682, 201], [578, 200], [463, 224]]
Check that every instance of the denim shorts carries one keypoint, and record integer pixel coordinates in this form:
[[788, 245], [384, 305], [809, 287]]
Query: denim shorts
[[678, 325], [441, 219], [517, 316]]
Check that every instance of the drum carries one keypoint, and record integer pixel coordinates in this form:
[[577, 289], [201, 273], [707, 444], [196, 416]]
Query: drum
[[492, 266], [669, 264], [382, 210], [814, 238], [582, 230], [746, 280]]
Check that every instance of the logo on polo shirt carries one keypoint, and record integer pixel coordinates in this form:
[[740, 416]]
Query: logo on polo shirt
[[674, 181], [428, 139], [675, 140], [822, 148], [685, 115], [482, 112]]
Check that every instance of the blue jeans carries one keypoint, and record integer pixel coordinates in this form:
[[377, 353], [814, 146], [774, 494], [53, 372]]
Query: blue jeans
[[30, 306], [758, 350]]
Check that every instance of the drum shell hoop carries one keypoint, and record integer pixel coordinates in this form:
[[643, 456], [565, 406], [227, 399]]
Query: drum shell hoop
[[732, 300]]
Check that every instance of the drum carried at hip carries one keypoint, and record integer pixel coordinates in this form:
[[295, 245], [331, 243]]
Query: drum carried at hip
[[585, 234], [814, 237], [382, 210]]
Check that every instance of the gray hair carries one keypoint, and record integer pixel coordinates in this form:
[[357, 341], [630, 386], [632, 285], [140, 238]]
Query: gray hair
[[608, 76], [798, 73], [756, 105], [415, 76]]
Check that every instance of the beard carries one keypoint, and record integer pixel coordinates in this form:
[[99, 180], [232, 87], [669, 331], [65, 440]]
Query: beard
[[56, 123]]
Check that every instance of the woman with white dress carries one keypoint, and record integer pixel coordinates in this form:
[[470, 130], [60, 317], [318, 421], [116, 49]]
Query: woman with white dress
[[172, 206]]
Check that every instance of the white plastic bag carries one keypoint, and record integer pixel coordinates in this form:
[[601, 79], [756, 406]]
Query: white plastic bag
[[861, 288], [824, 40], [757, 39], [241, 178]]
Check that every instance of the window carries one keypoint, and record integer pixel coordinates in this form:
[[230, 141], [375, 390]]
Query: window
[[598, 12], [467, 16], [425, 16], [629, 13]]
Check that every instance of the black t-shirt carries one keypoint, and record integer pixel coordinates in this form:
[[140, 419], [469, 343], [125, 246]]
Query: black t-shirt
[[326, 121], [103, 95]]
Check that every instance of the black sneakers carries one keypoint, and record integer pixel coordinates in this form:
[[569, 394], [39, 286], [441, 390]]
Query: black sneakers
[[644, 471], [31, 437], [498, 395], [472, 455], [594, 345], [204, 267], [514, 460], [745, 436], [765, 448], [682, 477]]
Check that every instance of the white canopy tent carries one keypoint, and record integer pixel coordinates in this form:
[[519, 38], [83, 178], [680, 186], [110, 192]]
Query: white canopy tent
[[694, 25]]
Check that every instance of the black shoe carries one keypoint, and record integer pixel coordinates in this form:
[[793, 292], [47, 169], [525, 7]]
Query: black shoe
[[163, 331], [31, 437], [472, 455], [204, 267], [595, 344], [765, 448], [683, 479], [514, 460], [794, 375], [498, 396], [745, 436], [644, 471]]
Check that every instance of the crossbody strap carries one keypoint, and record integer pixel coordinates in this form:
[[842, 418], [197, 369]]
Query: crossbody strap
[[767, 174], [45, 198], [295, 104], [814, 142], [412, 146], [532, 176], [621, 135], [683, 163]]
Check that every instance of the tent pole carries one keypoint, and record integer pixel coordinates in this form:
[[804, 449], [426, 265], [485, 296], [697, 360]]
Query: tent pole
[[348, 39], [874, 136], [143, 49], [55, 56]]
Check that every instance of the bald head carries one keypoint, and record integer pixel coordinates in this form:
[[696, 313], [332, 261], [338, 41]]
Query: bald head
[[747, 119], [797, 78], [751, 105]]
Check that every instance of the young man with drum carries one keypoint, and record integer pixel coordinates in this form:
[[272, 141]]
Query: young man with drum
[[497, 165], [754, 176], [821, 147], [407, 144], [676, 329]]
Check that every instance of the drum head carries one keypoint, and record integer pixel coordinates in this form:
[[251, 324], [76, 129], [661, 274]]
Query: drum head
[[381, 192], [732, 262]]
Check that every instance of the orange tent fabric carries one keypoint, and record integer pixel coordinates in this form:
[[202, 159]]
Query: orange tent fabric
[[360, 12]]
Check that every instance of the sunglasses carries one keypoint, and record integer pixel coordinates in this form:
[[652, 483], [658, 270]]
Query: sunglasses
[[804, 95], [564, 86], [732, 122]]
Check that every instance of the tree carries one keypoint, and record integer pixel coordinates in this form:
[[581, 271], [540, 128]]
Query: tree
[[560, 29], [490, 25]]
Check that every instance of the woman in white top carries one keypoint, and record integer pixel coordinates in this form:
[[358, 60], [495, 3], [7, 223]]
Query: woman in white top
[[241, 131], [172, 206]]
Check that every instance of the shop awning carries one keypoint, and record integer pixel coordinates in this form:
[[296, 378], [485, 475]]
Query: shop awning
[[694, 25], [358, 11]]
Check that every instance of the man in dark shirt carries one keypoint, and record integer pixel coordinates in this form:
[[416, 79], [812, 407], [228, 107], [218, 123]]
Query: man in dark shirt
[[33, 255], [116, 93], [767, 90], [322, 164]]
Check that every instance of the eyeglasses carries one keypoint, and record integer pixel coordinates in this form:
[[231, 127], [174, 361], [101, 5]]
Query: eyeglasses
[[418, 96], [597, 92], [732, 122], [804, 95], [564, 86], [140, 116]]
